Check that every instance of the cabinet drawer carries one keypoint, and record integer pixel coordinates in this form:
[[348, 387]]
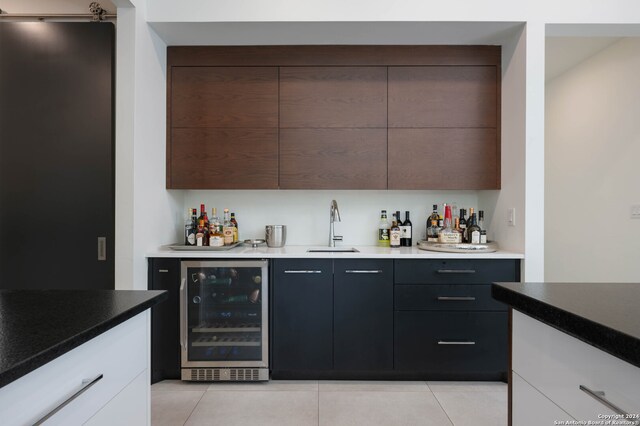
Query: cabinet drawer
[[455, 271], [446, 297], [451, 343], [558, 364], [119, 354]]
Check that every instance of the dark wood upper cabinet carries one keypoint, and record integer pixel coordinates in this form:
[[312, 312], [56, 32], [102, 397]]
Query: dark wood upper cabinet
[[443, 96], [333, 97], [224, 97], [333, 158], [224, 158], [443, 159]]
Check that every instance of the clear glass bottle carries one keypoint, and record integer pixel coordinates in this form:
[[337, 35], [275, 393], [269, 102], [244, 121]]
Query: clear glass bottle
[[394, 232], [383, 230], [227, 228], [448, 234], [483, 230], [215, 220], [432, 231]]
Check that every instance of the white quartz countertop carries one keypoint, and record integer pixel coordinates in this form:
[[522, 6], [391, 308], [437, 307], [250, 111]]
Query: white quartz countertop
[[364, 252]]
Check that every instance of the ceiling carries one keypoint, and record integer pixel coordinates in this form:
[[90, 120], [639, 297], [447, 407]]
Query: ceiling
[[564, 53], [52, 6]]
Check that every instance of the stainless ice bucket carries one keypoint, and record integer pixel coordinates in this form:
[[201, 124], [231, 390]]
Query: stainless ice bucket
[[276, 235]]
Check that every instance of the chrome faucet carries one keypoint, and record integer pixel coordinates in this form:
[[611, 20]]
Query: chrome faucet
[[334, 216]]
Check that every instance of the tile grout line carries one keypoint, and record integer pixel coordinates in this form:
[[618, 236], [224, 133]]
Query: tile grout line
[[194, 407], [442, 408]]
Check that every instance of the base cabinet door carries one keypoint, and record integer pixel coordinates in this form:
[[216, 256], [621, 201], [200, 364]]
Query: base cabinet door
[[363, 315], [449, 345], [532, 408], [302, 315]]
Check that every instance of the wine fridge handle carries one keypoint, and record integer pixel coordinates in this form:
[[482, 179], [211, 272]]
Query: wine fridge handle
[[183, 314]]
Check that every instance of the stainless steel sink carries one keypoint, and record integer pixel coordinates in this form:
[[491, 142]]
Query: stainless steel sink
[[333, 250]]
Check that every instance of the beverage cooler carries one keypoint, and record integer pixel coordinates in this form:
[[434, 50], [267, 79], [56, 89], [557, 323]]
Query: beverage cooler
[[223, 320]]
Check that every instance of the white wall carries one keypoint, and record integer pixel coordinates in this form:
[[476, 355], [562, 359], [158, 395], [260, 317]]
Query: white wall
[[592, 153], [306, 213]]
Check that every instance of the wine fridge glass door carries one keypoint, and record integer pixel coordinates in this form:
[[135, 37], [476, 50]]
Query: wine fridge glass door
[[224, 311]]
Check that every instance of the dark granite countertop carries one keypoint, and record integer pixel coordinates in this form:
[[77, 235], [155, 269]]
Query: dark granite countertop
[[604, 315], [37, 326]]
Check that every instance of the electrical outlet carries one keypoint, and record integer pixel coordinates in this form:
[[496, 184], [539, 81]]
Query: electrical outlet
[[635, 211], [511, 216]]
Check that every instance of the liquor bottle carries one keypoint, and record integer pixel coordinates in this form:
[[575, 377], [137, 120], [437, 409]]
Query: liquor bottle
[[432, 231], [394, 232], [216, 239], [406, 234], [473, 230], [430, 219], [235, 227], [441, 218], [227, 228], [203, 214], [201, 235], [467, 238], [448, 234], [483, 230], [190, 229], [383, 230]]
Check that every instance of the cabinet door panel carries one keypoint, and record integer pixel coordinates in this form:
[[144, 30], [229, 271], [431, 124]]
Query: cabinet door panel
[[302, 315], [447, 96], [451, 343], [224, 97], [333, 97], [363, 315], [224, 159], [333, 159], [443, 159]]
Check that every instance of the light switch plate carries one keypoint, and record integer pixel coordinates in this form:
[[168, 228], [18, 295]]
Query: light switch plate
[[511, 216], [635, 211]]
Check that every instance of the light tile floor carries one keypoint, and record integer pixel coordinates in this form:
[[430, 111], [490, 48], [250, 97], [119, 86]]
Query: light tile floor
[[328, 403]]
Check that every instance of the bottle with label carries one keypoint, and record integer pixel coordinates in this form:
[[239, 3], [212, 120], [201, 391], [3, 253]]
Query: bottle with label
[[473, 230], [448, 234], [215, 220], [394, 232], [483, 230], [406, 234], [227, 228], [432, 231], [203, 216], [216, 239], [235, 227], [463, 224], [441, 218], [430, 219], [201, 234], [190, 229], [383, 230]]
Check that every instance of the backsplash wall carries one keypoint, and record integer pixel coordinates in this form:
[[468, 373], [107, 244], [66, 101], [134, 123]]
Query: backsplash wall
[[306, 213]]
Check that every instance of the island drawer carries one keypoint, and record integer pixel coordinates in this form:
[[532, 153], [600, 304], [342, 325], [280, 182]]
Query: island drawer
[[455, 271], [464, 345], [446, 297], [119, 355], [566, 369]]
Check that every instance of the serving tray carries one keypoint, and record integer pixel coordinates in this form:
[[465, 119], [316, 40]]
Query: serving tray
[[489, 247], [182, 247]]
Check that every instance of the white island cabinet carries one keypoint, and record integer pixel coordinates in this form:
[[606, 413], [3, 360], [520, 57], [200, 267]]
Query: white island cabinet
[[104, 381], [558, 379]]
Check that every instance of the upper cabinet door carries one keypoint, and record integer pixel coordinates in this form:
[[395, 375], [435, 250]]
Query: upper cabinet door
[[224, 97], [333, 97], [443, 96]]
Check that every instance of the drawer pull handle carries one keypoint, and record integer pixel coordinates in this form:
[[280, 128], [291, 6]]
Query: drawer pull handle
[[457, 298], [164, 271], [302, 272], [86, 384], [456, 271], [456, 342], [362, 271], [599, 396]]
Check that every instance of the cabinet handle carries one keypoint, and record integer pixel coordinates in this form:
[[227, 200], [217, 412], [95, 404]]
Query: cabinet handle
[[455, 342], [456, 271], [183, 315], [102, 248], [457, 298], [302, 272], [86, 384], [164, 271], [363, 271], [599, 396]]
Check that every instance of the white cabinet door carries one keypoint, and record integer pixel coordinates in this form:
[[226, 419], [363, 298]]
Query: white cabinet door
[[128, 408], [531, 408]]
